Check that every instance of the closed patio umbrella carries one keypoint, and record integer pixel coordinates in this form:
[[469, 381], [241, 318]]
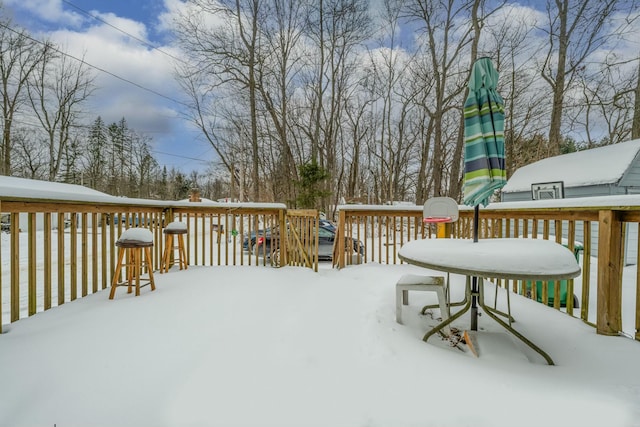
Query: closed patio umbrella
[[484, 159]]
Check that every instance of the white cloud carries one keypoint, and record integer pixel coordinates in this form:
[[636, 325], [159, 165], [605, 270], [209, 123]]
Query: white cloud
[[176, 8], [515, 13], [118, 46], [119, 28], [137, 67], [173, 8], [48, 11], [137, 82]]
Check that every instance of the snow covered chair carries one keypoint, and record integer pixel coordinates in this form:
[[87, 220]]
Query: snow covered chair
[[415, 282]]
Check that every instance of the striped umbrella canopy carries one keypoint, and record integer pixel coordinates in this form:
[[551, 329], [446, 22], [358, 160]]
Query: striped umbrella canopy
[[484, 160]]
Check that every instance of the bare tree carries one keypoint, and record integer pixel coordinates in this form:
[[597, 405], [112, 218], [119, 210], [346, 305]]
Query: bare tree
[[19, 57], [605, 112], [635, 128], [446, 34], [204, 111], [387, 77], [228, 54], [360, 127], [575, 29], [337, 28], [282, 35], [509, 36], [56, 93], [144, 166], [70, 163], [29, 157], [271, 94]]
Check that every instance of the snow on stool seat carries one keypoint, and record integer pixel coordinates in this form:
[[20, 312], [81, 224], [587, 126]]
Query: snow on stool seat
[[135, 236], [176, 228], [414, 282], [135, 243]]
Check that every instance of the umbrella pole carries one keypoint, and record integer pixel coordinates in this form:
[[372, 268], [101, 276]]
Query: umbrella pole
[[476, 214], [474, 283], [474, 304]]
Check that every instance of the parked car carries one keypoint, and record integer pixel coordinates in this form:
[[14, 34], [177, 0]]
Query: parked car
[[131, 220], [327, 224], [326, 237], [249, 241]]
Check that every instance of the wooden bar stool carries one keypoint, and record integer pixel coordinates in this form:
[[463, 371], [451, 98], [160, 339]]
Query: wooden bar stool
[[136, 244], [175, 228]]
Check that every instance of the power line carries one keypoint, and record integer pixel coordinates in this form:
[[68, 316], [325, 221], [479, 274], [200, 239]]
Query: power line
[[110, 73], [23, 122], [181, 157], [139, 40], [201, 160], [82, 61]]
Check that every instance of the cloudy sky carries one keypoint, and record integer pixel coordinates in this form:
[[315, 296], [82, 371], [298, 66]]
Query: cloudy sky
[[127, 44]]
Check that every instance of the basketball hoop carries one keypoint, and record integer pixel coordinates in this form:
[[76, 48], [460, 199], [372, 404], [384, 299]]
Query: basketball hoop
[[433, 219]]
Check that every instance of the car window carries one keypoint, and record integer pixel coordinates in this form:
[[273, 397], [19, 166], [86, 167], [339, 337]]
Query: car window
[[325, 233]]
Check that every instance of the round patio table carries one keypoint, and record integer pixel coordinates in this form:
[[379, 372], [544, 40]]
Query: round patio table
[[503, 258]]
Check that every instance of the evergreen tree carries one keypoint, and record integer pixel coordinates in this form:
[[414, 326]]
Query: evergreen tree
[[312, 179], [96, 165]]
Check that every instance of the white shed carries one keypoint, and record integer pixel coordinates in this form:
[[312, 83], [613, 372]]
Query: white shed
[[603, 171]]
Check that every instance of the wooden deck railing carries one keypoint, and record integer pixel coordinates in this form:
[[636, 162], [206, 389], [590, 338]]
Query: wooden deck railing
[[588, 227], [55, 251]]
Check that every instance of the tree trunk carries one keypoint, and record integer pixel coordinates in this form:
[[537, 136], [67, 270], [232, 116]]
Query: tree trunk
[[635, 128]]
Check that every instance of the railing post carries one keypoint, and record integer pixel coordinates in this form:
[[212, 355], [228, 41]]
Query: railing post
[[340, 252], [0, 289], [15, 267], [443, 230], [638, 296], [31, 274], [609, 317], [165, 218], [284, 258]]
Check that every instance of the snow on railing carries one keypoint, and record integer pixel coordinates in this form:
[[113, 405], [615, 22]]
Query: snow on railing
[[56, 250], [601, 231]]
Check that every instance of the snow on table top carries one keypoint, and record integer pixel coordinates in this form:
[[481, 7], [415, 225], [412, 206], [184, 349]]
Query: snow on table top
[[501, 258]]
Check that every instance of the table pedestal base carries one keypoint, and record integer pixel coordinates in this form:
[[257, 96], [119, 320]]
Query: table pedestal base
[[491, 312]]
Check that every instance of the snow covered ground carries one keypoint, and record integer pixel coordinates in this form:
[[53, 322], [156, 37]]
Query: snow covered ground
[[247, 346]]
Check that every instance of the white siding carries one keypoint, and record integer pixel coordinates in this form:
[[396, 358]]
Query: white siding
[[631, 250], [631, 240]]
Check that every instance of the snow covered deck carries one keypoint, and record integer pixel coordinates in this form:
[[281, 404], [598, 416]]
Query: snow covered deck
[[240, 346]]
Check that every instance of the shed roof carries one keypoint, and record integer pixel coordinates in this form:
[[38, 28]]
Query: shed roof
[[602, 165]]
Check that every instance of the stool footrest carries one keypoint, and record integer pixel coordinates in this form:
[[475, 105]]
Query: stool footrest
[[135, 259], [168, 255], [143, 282]]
